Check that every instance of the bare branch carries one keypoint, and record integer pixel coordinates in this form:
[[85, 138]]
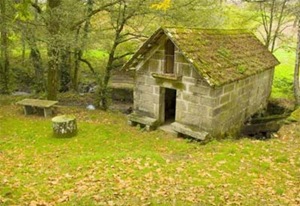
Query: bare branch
[[88, 64], [94, 12], [124, 55]]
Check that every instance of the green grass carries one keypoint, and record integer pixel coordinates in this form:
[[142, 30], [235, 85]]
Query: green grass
[[283, 79], [110, 163]]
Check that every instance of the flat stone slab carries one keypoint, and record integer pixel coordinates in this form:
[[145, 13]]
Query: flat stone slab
[[32, 106], [37, 103], [149, 122], [186, 130]]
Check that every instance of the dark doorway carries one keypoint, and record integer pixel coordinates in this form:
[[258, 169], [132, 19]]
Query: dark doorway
[[170, 105]]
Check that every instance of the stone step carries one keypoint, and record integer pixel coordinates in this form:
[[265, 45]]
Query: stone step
[[168, 129]]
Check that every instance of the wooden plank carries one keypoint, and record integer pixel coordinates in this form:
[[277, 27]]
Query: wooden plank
[[37, 103]]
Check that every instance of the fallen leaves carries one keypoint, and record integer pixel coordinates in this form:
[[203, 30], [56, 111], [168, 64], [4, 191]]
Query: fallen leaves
[[109, 167]]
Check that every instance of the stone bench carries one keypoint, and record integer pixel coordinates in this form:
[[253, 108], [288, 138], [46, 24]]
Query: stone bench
[[186, 130], [32, 106], [148, 122]]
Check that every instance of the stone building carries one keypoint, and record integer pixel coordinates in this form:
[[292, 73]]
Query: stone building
[[200, 81]]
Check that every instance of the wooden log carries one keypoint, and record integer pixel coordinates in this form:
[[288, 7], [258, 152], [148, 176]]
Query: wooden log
[[64, 126]]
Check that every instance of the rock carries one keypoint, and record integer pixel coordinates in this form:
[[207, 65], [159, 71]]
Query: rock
[[20, 94], [90, 107]]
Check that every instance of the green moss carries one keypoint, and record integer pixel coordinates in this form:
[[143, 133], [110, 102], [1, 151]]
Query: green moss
[[241, 69], [224, 52], [295, 116]]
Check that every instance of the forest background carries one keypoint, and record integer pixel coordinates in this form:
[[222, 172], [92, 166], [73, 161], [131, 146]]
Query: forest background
[[55, 46]]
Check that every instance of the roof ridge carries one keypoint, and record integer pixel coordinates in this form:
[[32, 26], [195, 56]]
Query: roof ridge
[[206, 29]]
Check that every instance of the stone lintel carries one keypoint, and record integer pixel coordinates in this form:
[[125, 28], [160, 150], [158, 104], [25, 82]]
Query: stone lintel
[[166, 76], [189, 131]]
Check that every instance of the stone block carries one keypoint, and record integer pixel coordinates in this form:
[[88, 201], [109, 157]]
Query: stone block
[[189, 131], [193, 108], [208, 101], [216, 92], [190, 98], [180, 58], [189, 80], [204, 112], [144, 89], [207, 124], [189, 118], [141, 79], [156, 90], [154, 65], [156, 110], [150, 81], [199, 90], [220, 109], [149, 122], [225, 98], [158, 55], [229, 87], [195, 73], [186, 69], [203, 82], [181, 105]]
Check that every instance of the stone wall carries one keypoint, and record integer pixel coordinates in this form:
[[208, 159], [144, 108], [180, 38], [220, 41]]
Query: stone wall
[[240, 100], [215, 110]]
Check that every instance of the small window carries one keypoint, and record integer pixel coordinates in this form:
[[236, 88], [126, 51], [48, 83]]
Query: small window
[[169, 57]]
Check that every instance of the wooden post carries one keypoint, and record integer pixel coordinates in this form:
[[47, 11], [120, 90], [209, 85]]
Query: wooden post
[[64, 126]]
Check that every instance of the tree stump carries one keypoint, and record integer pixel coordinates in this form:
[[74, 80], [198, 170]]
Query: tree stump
[[64, 126]]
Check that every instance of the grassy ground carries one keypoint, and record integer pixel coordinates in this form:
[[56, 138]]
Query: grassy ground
[[110, 163], [283, 80]]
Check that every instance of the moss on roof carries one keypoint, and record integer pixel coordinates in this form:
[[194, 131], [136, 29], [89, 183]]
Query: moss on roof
[[220, 56]]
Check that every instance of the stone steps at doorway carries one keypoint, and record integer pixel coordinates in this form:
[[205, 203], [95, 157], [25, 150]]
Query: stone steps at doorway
[[168, 128]]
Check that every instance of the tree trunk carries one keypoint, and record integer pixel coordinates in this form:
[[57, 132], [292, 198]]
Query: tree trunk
[[52, 82], [296, 71], [4, 56], [79, 51], [103, 91], [65, 70], [36, 59], [53, 50]]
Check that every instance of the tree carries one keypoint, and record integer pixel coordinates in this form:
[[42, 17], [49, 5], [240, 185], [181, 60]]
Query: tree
[[4, 54], [189, 13], [124, 30], [274, 17], [297, 65], [130, 22], [53, 27]]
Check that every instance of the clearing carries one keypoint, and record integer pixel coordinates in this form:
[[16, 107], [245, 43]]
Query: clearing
[[111, 163]]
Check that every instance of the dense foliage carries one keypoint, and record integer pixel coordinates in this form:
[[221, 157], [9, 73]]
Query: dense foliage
[[51, 46]]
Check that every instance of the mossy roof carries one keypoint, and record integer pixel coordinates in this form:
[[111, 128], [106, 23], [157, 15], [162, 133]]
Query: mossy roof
[[220, 56]]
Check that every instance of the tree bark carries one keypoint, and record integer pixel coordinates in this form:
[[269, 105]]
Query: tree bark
[[4, 56], [296, 71], [53, 50], [65, 69], [36, 59], [79, 50]]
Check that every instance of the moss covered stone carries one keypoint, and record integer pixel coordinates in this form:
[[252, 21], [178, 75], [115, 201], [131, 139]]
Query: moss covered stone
[[64, 126]]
